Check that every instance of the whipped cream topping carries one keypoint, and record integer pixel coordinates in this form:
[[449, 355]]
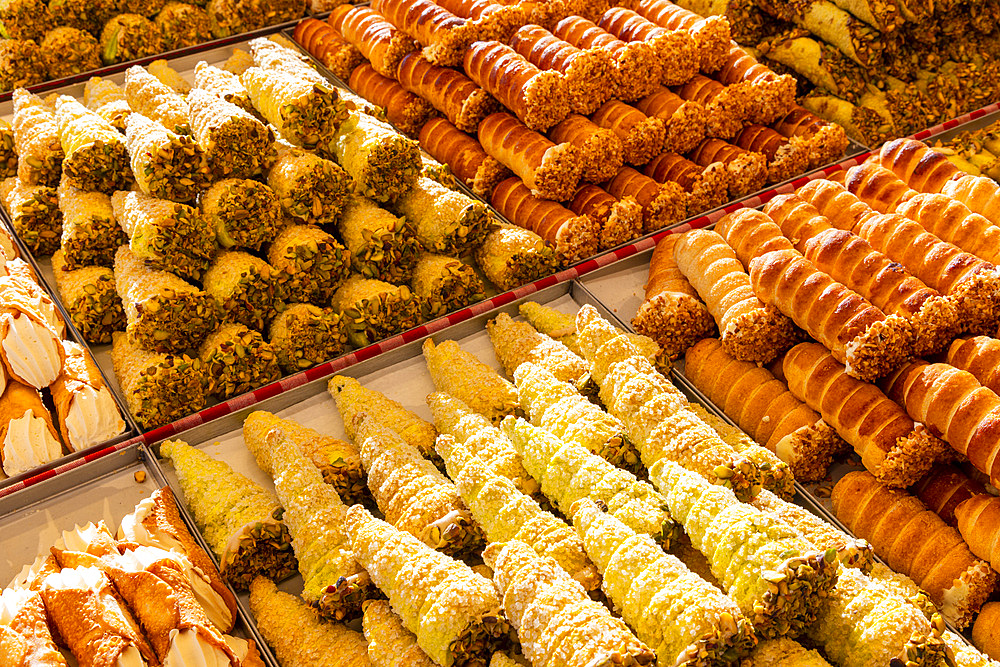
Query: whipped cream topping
[[76, 578], [142, 557], [28, 444], [130, 657], [11, 601], [32, 351], [27, 572], [78, 538], [132, 529], [92, 418], [189, 649]]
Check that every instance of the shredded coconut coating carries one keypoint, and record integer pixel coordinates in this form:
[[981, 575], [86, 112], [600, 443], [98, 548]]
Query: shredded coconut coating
[[389, 643]]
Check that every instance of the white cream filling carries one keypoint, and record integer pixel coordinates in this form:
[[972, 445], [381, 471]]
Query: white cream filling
[[77, 578], [27, 572], [32, 351], [130, 657], [80, 537], [11, 601], [28, 444], [189, 649], [92, 418]]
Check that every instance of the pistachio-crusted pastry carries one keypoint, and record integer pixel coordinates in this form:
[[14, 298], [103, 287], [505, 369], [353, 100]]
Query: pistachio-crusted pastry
[[298, 635], [90, 233], [553, 323], [8, 155], [237, 360], [34, 213], [373, 309], [437, 171], [444, 220], [383, 163], [21, 64], [389, 643], [376, 38], [36, 140], [224, 84], [313, 263], [166, 165], [158, 388], [568, 472], [88, 292], [68, 51], [785, 652], [456, 372], [244, 213], [444, 284], [95, 155], [25, 19], [164, 234], [511, 256], [304, 112], [165, 313], [107, 99], [241, 521], [663, 204], [155, 100], [129, 37], [463, 154], [310, 188], [505, 513], [354, 399], [338, 461], [382, 245], [235, 143], [245, 286], [477, 434], [182, 24], [304, 335]]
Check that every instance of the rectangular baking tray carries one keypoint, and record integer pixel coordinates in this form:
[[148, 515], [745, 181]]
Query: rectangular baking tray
[[974, 120], [103, 490]]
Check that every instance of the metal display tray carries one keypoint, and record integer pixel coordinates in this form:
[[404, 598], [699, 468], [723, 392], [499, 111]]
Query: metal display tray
[[974, 120], [103, 490]]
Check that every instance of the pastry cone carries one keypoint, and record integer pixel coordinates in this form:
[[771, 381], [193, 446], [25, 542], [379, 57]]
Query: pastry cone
[[28, 436], [920, 167], [30, 348], [977, 522], [557, 623], [943, 488], [86, 612], [728, 108], [642, 136], [574, 237], [663, 204], [389, 643], [34, 213], [328, 46], [915, 542], [979, 355], [549, 171], [589, 74], [952, 221], [684, 121], [785, 652], [36, 138], [403, 109], [774, 95], [454, 612], [825, 142], [869, 343], [620, 220], [464, 155], [383, 163], [747, 170], [298, 635], [600, 152], [878, 187], [749, 331], [984, 632], [676, 50], [449, 91], [311, 263], [711, 34], [459, 373], [491, 20], [978, 193], [751, 234], [25, 637], [638, 68], [671, 313], [444, 35], [338, 461], [88, 414], [706, 187], [376, 38], [786, 158], [516, 343], [762, 406]]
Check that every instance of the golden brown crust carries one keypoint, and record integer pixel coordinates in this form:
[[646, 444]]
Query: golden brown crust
[[550, 171], [599, 151], [663, 204], [920, 167], [943, 488], [676, 50], [620, 221], [377, 39], [642, 137], [711, 35], [403, 109], [706, 188], [449, 91], [747, 170], [444, 35]]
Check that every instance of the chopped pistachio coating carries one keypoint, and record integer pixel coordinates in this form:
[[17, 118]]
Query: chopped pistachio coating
[[383, 163], [237, 360], [512, 256], [454, 612], [25, 19], [108, 100], [68, 51], [231, 17], [382, 245], [165, 164], [34, 213], [21, 64], [305, 113], [313, 263], [445, 284], [456, 372], [165, 234], [129, 37], [311, 189], [8, 155], [182, 25], [518, 342], [442, 173], [507, 514], [168, 76], [684, 618], [164, 312], [304, 335], [142, 7], [445, 221], [89, 295], [241, 520], [89, 15], [353, 399], [155, 100], [338, 461], [96, 158], [484, 440], [36, 139], [158, 388], [245, 286], [389, 643], [243, 212], [568, 472], [373, 309], [235, 143], [224, 84]]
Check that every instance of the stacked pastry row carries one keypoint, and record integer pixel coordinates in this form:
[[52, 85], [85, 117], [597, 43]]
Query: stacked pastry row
[[976, 152], [50, 40], [269, 227], [498, 532], [546, 90], [147, 595]]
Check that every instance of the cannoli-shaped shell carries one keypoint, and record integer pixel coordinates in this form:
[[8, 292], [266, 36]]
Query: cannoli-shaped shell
[[620, 220], [729, 108], [677, 50], [979, 193], [774, 94], [747, 170], [403, 109], [706, 188], [785, 158], [464, 155], [943, 488], [952, 221], [663, 204], [549, 171], [685, 121], [920, 167], [878, 187], [328, 46], [448, 90], [599, 151], [711, 34], [642, 136], [444, 35], [375, 37]]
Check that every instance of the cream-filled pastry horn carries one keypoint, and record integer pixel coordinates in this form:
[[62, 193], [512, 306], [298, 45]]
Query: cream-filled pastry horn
[[25, 639], [28, 437], [20, 270], [87, 411], [30, 348]]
